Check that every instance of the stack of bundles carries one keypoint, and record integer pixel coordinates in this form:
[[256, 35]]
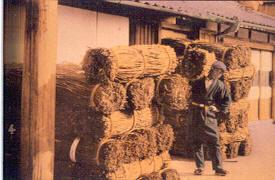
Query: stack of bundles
[[239, 80], [234, 129], [121, 137], [128, 150], [180, 121], [196, 63], [125, 63], [172, 96], [237, 59]]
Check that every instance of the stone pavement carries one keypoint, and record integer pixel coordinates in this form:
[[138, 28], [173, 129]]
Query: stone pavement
[[260, 165]]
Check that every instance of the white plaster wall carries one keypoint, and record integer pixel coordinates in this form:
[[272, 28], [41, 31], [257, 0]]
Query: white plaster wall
[[79, 29]]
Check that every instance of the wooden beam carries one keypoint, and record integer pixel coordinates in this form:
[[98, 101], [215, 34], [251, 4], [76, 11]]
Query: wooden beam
[[38, 90], [176, 27], [251, 44]]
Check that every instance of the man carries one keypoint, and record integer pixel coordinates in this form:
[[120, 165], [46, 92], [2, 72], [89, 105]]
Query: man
[[210, 97]]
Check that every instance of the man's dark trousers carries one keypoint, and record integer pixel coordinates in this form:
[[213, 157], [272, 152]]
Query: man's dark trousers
[[212, 141]]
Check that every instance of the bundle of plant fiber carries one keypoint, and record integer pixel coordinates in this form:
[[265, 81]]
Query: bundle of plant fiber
[[108, 97], [125, 63], [197, 63], [164, 137], [180, 121], [140, 93], [180, 45], [135, 169], [240, 89], [232, 150], [237, 56], [170, 174], [240, 81], [136, 145], [240, 73], [238, 116], [246, 146], [218, 49], [143, 143], [234, 56], [98, 126], [173, 91], [239, 135], [152, 176]]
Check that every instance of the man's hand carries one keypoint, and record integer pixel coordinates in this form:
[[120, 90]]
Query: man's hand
[[213, 108]]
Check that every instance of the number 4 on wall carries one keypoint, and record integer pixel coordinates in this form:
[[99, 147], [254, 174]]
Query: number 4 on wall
[[11, 130]]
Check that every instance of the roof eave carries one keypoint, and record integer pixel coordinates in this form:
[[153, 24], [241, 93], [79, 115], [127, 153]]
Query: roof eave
[[182, 13]]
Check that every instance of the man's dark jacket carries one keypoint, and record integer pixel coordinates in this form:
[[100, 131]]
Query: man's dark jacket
[[205, 121]]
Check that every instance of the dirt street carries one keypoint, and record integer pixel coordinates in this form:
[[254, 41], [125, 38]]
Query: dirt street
[[260, 165]]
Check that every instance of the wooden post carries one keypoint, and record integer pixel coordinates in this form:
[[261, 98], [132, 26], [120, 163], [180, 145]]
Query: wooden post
[[273, 87], [38, 90]]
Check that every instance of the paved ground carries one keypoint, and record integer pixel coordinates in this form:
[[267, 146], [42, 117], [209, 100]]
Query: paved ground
[[260, 165]]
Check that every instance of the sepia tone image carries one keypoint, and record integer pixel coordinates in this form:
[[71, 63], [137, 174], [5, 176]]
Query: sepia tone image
[[139, 90]]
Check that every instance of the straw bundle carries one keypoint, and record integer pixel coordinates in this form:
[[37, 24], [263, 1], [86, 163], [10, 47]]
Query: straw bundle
[[237, 56], [240, 81], [136, 145], [140, 93], [237, 74], [125, 63], [152, 176], [197, 63], [238, 116], [179, 120], [164, 174], [234, 56], [232, 150], [246, 146], [135, 169], [239, 135], [180, 45], [107, 97], [98, 126], [164, 137], [170, 174], [173, 91], [240, 89], [218, 49]]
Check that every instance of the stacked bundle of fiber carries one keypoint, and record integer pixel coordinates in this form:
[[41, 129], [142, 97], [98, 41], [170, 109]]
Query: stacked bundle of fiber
[[234, 56], [180, 121], [172, 97], [240, 81], [125, 63], [119, 127], [173, 92], [234, 130], [140, 93], [113, 152], [197, 63], [167, 174], [180, 46]]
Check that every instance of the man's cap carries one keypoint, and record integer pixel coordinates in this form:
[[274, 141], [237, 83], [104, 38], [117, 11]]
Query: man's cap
[[219, 65]]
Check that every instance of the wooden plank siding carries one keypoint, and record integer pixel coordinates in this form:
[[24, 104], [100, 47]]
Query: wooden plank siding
[[142, 32]]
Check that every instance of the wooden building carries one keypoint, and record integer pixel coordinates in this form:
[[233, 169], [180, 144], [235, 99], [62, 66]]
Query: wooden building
[[42, 33]]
